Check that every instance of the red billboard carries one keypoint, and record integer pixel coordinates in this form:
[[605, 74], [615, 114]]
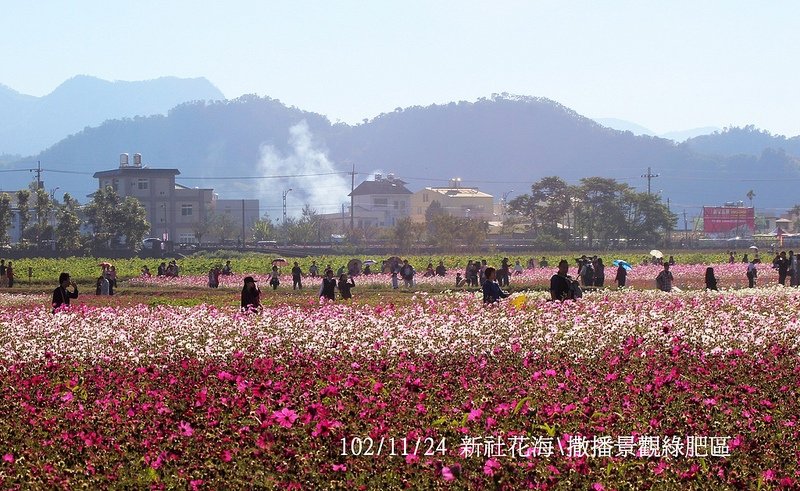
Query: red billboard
[[721, 219]]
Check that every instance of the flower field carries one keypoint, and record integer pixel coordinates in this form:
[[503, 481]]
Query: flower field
[[686, 276], [621, 390]]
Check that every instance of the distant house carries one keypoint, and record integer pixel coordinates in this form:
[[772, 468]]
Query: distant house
[[455, 200], [173, 210], [381, 202]]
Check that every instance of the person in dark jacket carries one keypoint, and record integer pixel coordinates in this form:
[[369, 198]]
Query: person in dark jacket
[[251, 295], [622, 276], [599, 272], [783, 267], [297, 277], [345, 286], [61, 295], [491, 290], [711, 280], [328, 288]]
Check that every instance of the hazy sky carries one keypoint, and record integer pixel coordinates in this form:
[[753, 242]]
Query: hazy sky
[[667, 65]]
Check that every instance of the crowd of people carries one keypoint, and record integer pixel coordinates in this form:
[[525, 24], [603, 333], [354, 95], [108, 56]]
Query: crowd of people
[[477, 273]]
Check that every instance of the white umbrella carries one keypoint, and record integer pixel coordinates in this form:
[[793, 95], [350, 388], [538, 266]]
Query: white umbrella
[[754, 248], [657, 253]]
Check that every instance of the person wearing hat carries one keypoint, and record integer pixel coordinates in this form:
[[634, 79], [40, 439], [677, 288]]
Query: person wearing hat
[[251, 295], [61, 295]]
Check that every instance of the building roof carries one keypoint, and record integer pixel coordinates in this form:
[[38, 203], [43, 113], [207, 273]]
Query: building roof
[[135, 172], [460, 192], [384, 186]]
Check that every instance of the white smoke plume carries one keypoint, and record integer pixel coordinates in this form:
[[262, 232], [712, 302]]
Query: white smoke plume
[[324, 193]]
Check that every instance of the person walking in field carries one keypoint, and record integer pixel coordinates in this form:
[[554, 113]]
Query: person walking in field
[[313, 270], [783, 268], [297, 277], [275, 278], [711, 280], [561, 284], [251, 296], [10, 275], [664, 279], [752, 274], [622, 276], [599, 272], [345, 286], [491, 290], [328, 288], [62, 296]]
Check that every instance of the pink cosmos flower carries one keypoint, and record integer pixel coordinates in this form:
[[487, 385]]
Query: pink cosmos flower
[[447, 474], [285, 417], [339, 467], [491, 467], [412, 458], [8, 458], [475, 414], [185, 428]]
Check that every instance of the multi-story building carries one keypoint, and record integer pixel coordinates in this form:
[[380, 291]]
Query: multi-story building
[[173, 210], [455, 200], [380, 203]]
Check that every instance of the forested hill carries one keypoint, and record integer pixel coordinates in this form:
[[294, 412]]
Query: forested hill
[[498, 144], [748, 140]]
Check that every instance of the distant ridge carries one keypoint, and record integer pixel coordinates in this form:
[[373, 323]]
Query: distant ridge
[[499, 144], [30, 124]]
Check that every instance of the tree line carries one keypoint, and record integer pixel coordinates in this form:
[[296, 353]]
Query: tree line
[[596, 212]]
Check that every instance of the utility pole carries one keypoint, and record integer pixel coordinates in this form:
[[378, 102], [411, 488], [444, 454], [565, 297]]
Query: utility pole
[[284, 204], [39, 183], [352, 188], [243, 234], [685, 226], [649, 176]]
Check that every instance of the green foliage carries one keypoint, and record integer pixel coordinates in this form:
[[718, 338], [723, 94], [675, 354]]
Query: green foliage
[[263, 229], [68, 230], [24, 210], [116, 220], [5, 217], [600, 210]]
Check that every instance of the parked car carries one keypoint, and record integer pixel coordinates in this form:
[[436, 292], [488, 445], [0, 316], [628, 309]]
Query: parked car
[[151, 243], [267, 243]]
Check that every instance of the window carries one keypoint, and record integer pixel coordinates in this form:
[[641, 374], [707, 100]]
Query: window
[[143, 184], [186, 210], [396, 205], [380, 202], [115, 184], [186, 238], [424, 197]]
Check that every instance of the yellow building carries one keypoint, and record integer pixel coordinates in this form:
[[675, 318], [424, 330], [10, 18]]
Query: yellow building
[[455, 200]]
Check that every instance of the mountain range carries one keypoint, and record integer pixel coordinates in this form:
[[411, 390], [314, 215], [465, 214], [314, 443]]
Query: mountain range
[[30, 124], [501, 144], [637, 129]]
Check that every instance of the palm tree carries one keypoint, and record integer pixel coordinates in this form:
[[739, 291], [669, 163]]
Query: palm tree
[[750, 196]]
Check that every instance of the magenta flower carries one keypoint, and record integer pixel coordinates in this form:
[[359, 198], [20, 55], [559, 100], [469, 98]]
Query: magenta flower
[[339, 467], [491, 467], [447, 474], [285, 417], [185, 428], [8, 458]]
